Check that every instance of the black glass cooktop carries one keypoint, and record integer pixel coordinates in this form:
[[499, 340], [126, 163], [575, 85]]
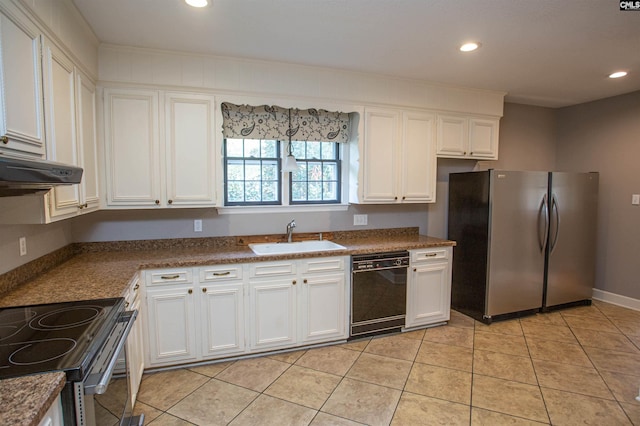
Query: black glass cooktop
[[55, 337]]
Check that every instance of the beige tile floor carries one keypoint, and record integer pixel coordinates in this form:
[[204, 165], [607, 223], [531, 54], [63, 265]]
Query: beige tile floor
[[579, 366]]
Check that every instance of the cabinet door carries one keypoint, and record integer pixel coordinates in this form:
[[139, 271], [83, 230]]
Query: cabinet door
[[62, 146], [323, 307], [190, 157], [453, 136], [21, 111], [87, 141], [132, 148], [483, 138], [380, 156], [171, 316], [223, 319], [135, 352], [272, 313], [418, 157], [428, 294]]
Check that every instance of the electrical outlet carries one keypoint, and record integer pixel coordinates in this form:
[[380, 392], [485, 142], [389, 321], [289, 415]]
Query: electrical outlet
[[360, 219], [635, 199], [23, 246], [197, 225]]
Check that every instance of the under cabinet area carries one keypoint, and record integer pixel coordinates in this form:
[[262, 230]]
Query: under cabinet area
[[209, 312], [429, 286]]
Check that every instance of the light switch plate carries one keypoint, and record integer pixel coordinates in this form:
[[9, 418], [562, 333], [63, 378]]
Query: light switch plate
[[360, 219], [635, 199], [197, 225]]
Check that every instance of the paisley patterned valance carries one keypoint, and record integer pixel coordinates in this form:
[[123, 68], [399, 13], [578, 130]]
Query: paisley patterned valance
[[272, 122]]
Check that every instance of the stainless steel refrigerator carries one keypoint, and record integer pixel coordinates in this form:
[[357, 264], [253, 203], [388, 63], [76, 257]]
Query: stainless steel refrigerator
[[525, 241]]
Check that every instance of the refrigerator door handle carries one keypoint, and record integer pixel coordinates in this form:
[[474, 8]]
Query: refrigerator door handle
[[543, 214], [555, 211]]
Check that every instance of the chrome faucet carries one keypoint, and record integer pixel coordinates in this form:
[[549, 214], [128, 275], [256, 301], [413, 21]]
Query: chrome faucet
[[290, 227]]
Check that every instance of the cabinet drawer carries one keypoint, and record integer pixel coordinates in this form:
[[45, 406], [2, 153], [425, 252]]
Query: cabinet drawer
[[426, 255], [328, 264], [221, 273], [269, 269], [170, 276]]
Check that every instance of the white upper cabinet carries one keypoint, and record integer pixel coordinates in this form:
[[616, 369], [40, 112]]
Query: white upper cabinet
[[87, 142], [462, 136], [190, 156], [21, 110], [149, 168], [398, 159]]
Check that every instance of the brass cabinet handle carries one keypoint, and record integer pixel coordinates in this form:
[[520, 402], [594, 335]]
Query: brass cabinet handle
[[190, 291], [137, 286], [221, 274], [204, 289], [4, 139], [295, 282], [431, 254], [126, 305], [170, 277]]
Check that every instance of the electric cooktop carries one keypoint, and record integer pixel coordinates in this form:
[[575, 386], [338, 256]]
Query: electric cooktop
[[55, 337]]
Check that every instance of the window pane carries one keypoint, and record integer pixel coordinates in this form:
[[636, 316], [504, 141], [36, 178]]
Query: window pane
[[301, 173], [315, 171], [330, 191], [252, 148], [298, 149], [253, 191], [253, 170], [235, 170], [270, 191], [270, 170], [299, 191], [234, 147], [330, 171], [313, 150], [315, 191], [329, 150], [269, 149], [235, 192]]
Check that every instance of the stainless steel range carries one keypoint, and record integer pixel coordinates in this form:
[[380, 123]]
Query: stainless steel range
[[83, 339]]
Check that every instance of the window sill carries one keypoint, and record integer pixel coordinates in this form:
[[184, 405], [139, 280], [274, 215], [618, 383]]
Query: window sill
[[313, 208]]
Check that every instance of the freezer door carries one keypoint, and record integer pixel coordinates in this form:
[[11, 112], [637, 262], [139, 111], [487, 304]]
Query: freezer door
[[572, 238], [518, 202]]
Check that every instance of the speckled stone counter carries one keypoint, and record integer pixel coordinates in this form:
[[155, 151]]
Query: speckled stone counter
[[25, 400], [103, 270]]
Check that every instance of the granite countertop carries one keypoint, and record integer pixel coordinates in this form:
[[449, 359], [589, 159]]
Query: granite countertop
[[106, 272], [25, 400]]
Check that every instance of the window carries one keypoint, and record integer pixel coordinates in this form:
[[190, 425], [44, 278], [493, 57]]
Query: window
[[252, 170], [317, 179]]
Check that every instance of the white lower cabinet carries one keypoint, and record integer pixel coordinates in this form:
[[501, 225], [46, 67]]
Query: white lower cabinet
[[135, 345], [53, 416], [171, 317], [429, 286], [225, 310]]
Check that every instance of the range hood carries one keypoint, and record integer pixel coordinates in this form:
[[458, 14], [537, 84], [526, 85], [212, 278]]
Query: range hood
[[20, 176]]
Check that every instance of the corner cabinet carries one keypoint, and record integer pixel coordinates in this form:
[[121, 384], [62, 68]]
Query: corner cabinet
[[461, 136], [21, 105], [429, 286], [399, 157], [146, 168]]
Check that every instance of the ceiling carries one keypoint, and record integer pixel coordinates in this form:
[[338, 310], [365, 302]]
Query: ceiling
[[542, 52]]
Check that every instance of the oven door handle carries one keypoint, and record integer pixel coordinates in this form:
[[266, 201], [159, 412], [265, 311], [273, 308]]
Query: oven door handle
[[101, 386]]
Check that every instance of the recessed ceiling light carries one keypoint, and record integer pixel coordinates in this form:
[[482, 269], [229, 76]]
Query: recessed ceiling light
[[469, 47], [618, 74], [197, 3]]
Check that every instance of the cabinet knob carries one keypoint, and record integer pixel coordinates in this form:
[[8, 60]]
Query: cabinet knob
[[305, 281], [4, 139], [170, 201], [464, 153], [204, 289], [157, 202], [294, 282], [404, 197], [471, 153], [190, 291], [395, 198], [415, 270]]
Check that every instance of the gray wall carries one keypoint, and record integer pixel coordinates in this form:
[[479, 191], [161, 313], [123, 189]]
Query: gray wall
[[604, 136]]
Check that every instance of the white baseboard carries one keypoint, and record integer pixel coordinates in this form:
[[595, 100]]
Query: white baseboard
[[616, 299]]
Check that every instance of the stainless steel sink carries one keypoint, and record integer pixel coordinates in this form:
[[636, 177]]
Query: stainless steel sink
[[264, 249]]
